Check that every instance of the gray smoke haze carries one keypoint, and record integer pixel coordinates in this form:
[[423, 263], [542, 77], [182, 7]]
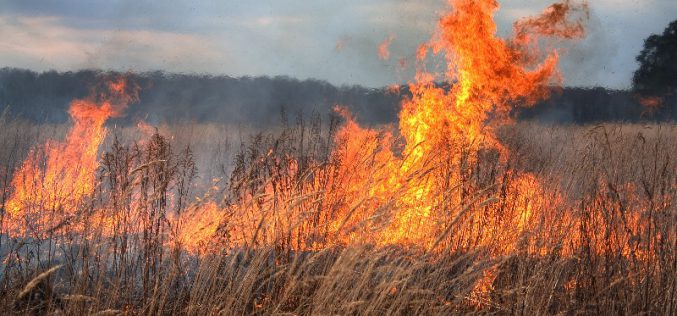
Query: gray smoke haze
[[294, 38], [260, 101], [582, 63]]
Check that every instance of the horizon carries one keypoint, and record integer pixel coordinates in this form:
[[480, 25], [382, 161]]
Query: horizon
[[273, 77], [334, 42]]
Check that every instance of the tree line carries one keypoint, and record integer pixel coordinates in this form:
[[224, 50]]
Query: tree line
[[44, 97]]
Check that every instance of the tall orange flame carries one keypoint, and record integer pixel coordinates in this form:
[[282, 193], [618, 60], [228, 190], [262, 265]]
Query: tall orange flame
[[55, 178], [489, 77], [380, 192], [412, 195]]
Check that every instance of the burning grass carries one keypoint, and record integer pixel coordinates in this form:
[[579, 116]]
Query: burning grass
[[458, 210], [603, 240]]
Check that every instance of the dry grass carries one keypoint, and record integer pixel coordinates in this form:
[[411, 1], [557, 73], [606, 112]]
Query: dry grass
[[603, 177]]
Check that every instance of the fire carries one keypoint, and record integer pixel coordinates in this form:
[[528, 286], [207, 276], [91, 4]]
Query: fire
[[490, 76], [196, 228], [408, 187], [411, 191], [441, 184], [651, 103], [56, 177], [384, 48]]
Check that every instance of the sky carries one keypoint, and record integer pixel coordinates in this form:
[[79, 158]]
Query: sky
[[336, 41]]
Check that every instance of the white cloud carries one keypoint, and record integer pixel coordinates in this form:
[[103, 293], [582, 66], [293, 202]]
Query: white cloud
[[45, 43], [291, 37]]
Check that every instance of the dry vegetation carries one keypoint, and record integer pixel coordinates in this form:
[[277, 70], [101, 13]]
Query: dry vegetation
[[456, 210], [616, 183]]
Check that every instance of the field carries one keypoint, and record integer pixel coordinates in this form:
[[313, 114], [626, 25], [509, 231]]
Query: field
[[455, 208], [599, 237]]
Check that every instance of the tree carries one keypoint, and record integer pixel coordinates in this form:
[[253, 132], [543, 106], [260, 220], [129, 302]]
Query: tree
[[657, 73]]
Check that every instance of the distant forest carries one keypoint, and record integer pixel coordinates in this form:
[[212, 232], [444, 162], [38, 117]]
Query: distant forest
[[44, 97]]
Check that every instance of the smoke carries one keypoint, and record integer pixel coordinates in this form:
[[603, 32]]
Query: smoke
[[166, 98], [293, 38], [259, 101], [590, 61]]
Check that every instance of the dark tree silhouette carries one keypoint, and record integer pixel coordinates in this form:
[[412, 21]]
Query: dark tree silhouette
[[166, 97], [657, 73]]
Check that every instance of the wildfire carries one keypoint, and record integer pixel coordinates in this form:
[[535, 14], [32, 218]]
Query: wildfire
[[651, 102], [196, 228], [56, 177], [383, 189], [490, 76], [384, 48], [444, 206], [414, 194]]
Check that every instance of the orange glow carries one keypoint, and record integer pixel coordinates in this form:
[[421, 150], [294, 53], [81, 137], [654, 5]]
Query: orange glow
[[56, 177], [196, 228], [651, 103], [341, 43], [407, 187], [454, 181], [393, 89], [491, 76], [409, 192], [384, 48]]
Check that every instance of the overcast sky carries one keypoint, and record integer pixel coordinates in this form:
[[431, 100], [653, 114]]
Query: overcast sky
[[335, 40]]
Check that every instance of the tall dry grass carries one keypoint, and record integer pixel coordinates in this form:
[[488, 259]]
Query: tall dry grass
[[604, 241]]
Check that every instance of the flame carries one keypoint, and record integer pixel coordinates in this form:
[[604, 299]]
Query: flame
[[393, 89], [407, 193], [196, 228], [55, 178], [407, 186], [490, 76], [409, 189], [651, 103], [384, 48]]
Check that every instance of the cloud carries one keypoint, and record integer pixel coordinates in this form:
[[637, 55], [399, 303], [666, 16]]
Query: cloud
[[291, 37], [44, 42], [266, 21]]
